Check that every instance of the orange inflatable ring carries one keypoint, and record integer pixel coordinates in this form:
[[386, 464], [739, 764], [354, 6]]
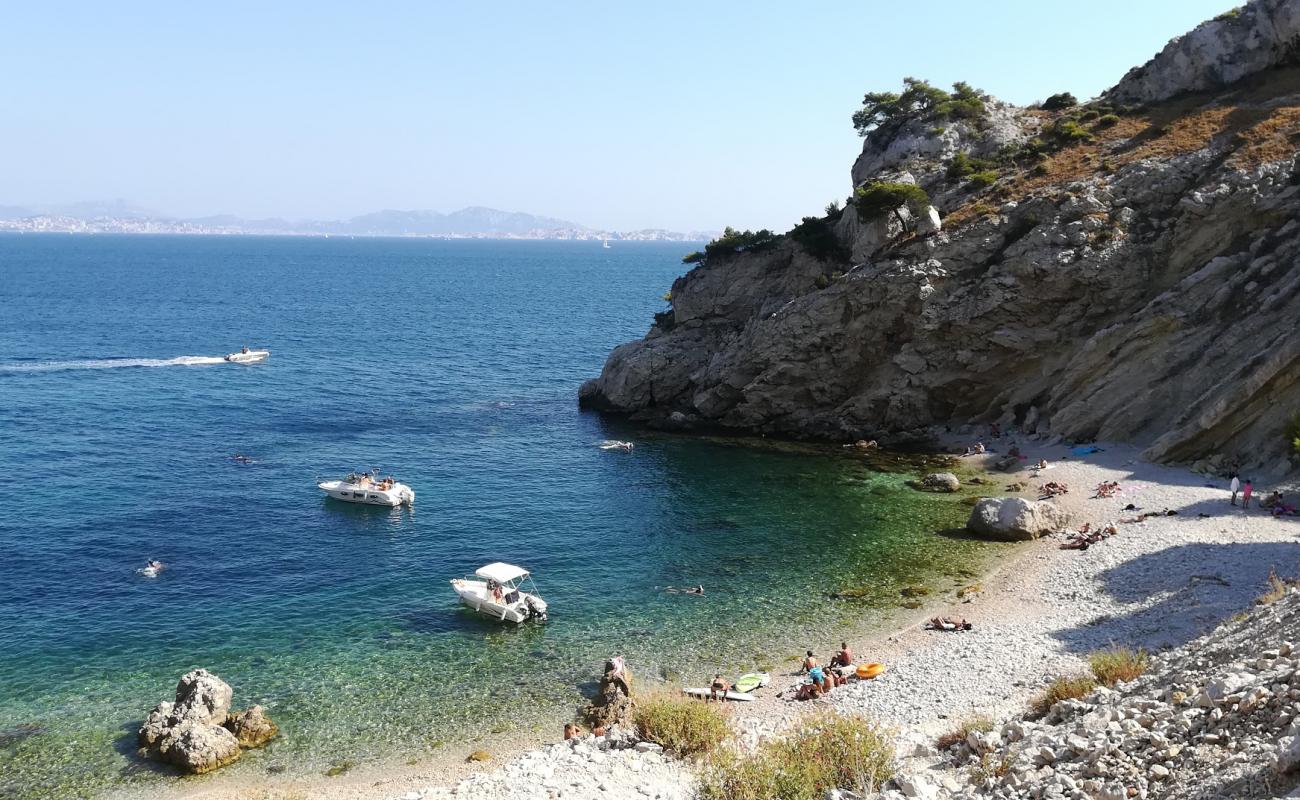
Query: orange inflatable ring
[[868, 671]]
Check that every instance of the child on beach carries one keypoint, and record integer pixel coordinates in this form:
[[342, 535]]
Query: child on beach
[[1246, 489]]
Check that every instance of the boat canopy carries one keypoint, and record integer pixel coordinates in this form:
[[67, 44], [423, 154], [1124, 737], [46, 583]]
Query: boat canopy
[[501, 573]]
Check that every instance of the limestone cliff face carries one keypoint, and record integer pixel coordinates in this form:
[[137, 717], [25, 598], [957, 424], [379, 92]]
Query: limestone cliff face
[[1141, 285]]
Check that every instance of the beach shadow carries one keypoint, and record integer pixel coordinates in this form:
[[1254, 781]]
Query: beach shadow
[[1198, 586]]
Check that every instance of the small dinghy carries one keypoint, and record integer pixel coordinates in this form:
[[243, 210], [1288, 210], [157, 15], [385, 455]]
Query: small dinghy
[[705, 692], [496, 591], [246, 356], [369, 488], [615, 444]]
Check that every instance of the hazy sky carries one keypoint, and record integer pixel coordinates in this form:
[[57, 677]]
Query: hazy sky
[[615, 115]]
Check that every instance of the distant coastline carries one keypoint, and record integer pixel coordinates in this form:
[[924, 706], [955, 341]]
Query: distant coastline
[[468, 223]]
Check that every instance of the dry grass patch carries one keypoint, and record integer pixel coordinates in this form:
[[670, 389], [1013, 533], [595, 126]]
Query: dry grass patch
[[963, 731], [825, 752], [1058, 690], [1277, 588], [682, 725], [1118, 664]]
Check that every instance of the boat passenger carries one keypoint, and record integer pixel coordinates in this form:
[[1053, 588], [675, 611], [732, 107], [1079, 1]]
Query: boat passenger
[[719, 688], [244, 349], [496, 590]]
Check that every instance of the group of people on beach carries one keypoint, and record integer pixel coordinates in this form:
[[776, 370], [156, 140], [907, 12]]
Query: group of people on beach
[[821, 680], [1274, 503]]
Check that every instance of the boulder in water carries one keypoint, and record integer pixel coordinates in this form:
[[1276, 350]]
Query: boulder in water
[[940, 482], [188, 732], [613, 703], [252, 728]]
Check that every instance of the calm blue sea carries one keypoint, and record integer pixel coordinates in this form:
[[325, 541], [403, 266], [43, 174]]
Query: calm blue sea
[[452, 364]]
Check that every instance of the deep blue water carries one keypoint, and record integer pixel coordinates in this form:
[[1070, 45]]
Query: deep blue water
[[454, 365]]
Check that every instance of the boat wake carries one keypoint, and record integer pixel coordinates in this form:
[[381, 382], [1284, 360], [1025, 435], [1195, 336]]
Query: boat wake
[[111, 363]]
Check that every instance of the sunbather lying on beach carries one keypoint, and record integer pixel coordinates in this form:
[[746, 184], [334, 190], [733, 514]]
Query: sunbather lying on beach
[[1053, 488], [947, 624], [1107, 489]]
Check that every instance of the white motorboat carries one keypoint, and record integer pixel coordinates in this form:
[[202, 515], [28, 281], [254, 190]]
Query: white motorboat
[[246, 356], [368, 487], [497, 591]]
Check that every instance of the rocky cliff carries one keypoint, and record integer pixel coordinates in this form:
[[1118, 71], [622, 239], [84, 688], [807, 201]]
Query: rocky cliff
[[1125, 269]]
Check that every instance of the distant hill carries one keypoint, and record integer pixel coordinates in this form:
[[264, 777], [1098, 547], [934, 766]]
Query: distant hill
[[118, 216]]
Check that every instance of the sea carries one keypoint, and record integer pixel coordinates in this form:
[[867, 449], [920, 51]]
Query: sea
[[453, 365]]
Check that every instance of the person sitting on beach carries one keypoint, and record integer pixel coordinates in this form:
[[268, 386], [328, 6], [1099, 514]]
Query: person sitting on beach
[[809, 691], [809, 662], [844, 658], [571, 731], [719, 688], [818, 676], [1042, 464], [1273, 500]]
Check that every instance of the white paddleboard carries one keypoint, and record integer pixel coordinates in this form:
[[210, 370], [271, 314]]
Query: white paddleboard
[[697, 691]]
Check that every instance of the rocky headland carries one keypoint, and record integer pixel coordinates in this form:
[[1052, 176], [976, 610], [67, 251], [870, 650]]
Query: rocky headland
[[1125, 269]]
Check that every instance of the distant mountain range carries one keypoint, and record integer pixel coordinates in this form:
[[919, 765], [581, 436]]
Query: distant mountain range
[[119, 216]]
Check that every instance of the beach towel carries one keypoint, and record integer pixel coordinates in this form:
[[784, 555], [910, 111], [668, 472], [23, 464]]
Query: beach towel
[[1085, 451]]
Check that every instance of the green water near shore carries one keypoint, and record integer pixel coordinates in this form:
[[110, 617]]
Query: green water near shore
[[771, 532]]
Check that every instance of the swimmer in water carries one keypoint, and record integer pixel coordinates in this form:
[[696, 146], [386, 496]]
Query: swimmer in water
[[151, 569]]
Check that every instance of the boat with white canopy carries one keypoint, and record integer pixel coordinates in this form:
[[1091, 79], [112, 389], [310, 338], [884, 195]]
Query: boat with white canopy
[[498, 591]]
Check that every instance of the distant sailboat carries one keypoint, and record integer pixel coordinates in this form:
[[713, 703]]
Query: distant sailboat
[[604, 243]]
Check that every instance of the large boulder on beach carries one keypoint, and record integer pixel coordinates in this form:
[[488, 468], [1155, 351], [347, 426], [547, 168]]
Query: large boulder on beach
[[195, 731], [1015, 519], [613, 702]]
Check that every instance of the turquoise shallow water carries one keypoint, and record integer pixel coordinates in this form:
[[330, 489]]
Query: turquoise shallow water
[[453, 365]]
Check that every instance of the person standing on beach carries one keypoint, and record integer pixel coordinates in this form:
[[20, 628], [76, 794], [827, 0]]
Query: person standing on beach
[[1246, 489], [1234, 487]]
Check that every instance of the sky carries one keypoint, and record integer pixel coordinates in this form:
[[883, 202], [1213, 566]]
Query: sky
[[679, 115]]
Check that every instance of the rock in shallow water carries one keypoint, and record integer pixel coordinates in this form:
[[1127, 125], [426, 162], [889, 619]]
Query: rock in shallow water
[[189, 732]]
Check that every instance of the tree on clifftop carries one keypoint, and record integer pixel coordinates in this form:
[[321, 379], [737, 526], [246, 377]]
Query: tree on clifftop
[[879, 198], [918, 100]]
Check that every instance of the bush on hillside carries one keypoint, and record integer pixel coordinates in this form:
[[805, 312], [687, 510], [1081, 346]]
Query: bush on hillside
[[1058, 690], [880, 198], [826, 752], [817, 239], [1059, 101], [681, 725], [964, 730], [1293, 434], [732, 242], [1108, 120], [982, 179], [1117, 664]]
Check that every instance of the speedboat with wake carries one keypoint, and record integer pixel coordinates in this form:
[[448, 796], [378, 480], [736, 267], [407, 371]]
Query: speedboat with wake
[[246, 356], [497, 591], [369, 488]]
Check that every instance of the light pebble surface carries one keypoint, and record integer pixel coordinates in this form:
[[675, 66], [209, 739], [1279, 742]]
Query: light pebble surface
[[1157, 584]]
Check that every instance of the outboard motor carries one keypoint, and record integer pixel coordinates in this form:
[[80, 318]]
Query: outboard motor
[[536, 608]]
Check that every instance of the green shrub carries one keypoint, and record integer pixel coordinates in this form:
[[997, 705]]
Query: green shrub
[[732, 242], [1058, 690], [1089, 115], [827, 752], [962, 731], [681, 725], [834, 209], [982, 179], [962, 165], [1108, 120], [1117, 664], [817, 239], [1293, 434], [1039, 169], [1067, 132], [877, 199], [1059, 101], [1229, 15]]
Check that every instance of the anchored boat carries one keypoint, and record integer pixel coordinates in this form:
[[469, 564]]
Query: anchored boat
[[497, 591], [368, 487]]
